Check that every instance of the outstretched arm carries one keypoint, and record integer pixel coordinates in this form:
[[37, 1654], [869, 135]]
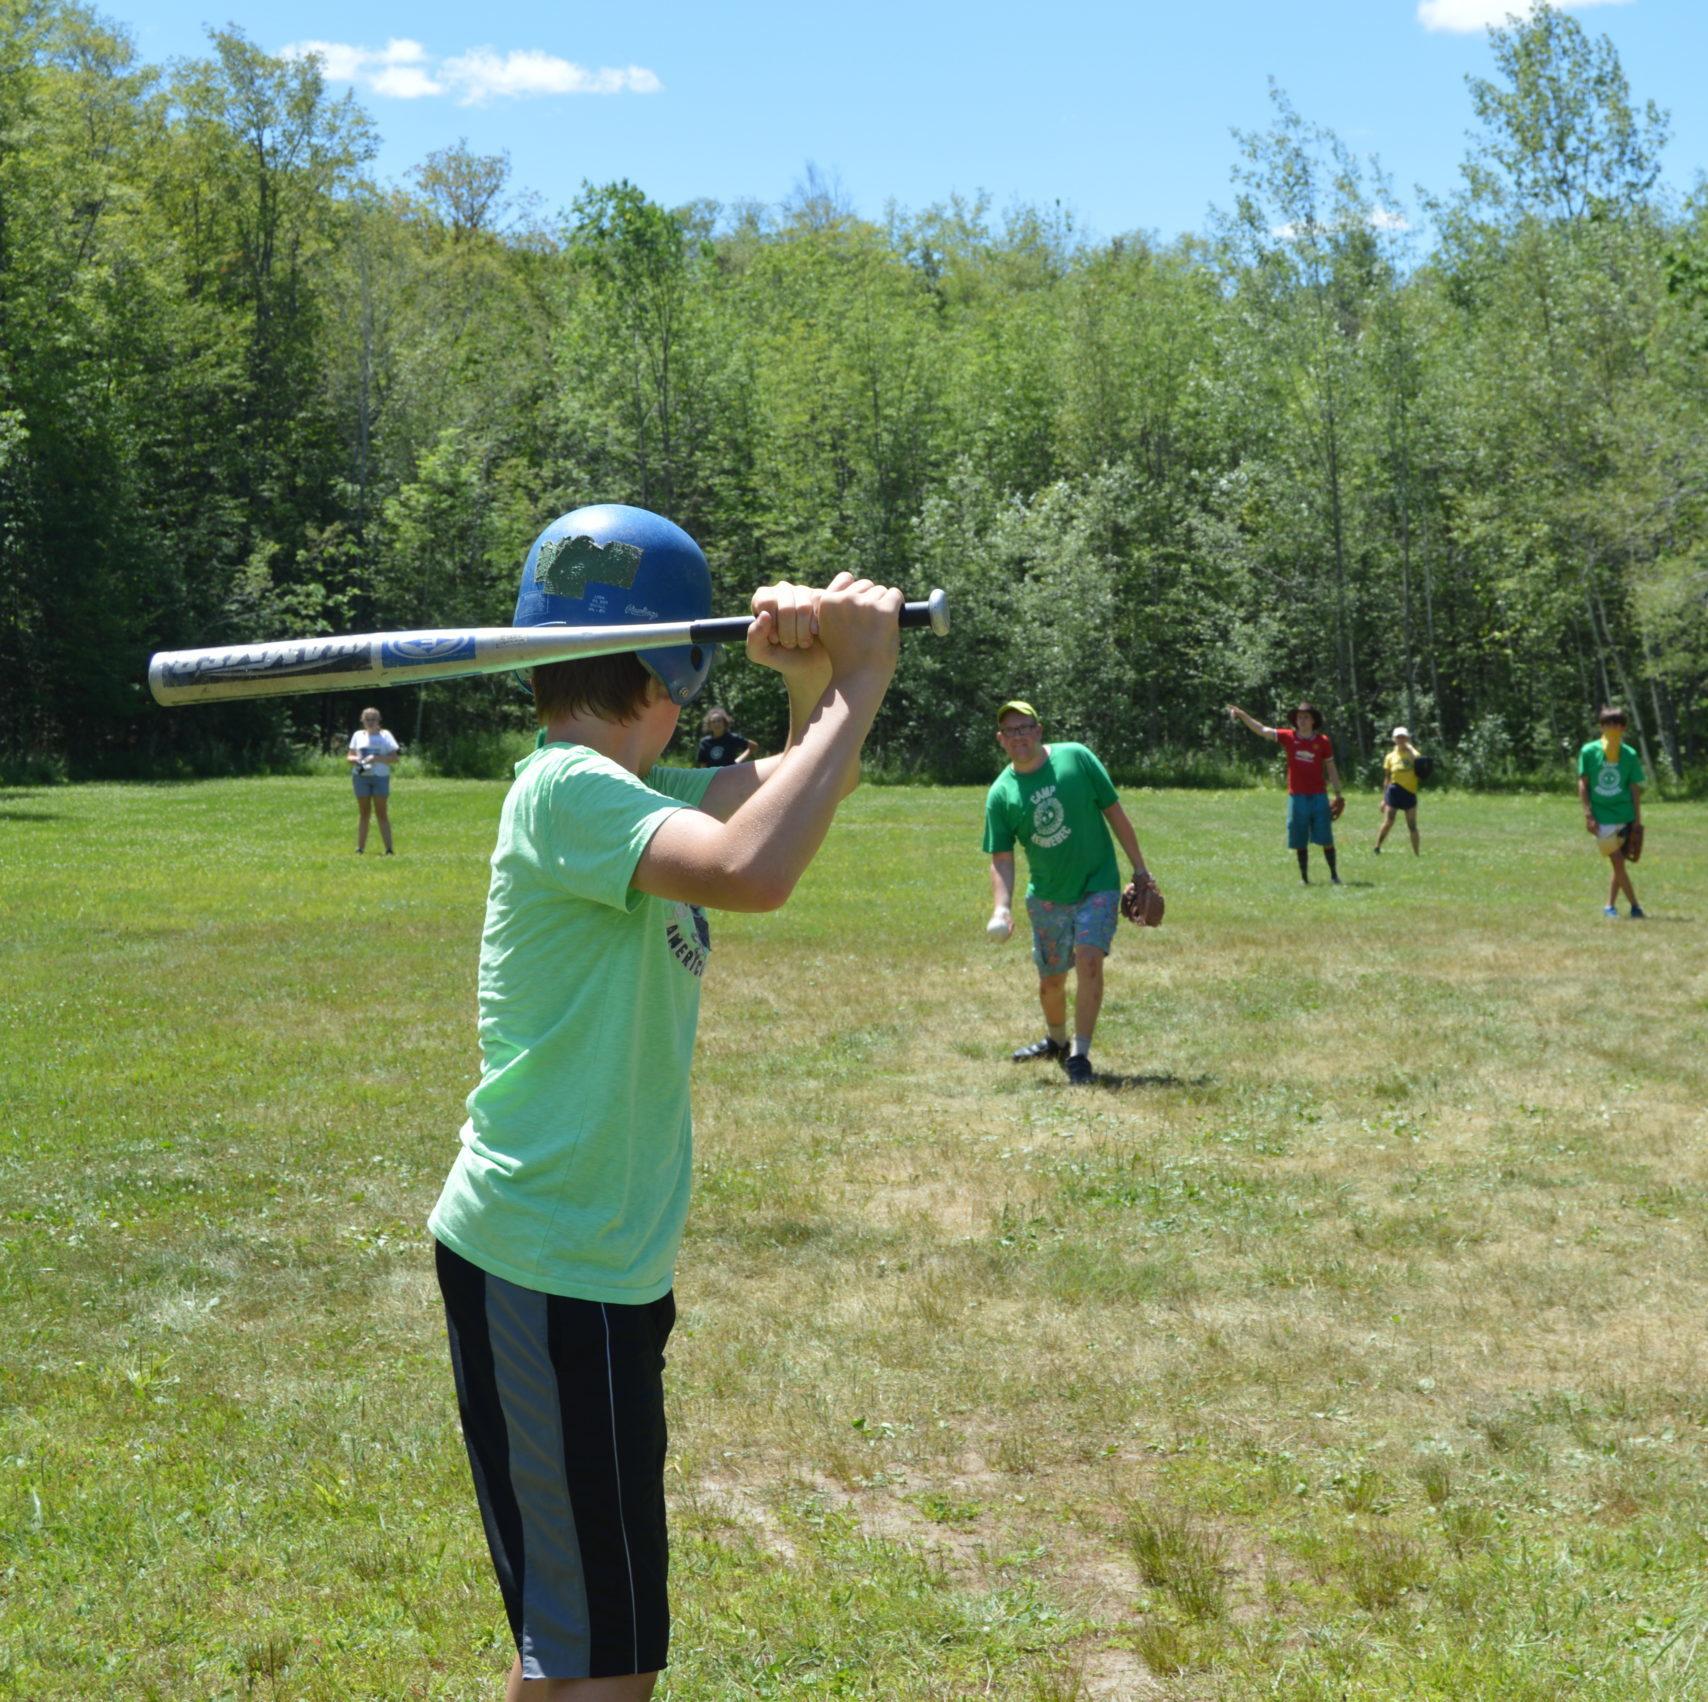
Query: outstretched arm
[[1235, 713]]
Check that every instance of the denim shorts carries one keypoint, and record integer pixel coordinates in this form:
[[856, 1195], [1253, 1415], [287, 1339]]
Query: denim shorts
[[1057, 929], [376, 783]]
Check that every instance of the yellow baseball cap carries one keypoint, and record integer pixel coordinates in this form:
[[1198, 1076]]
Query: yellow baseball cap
[[1017, 706]]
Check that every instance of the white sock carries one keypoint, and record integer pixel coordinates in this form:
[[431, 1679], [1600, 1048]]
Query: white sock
[[1082, 1046]]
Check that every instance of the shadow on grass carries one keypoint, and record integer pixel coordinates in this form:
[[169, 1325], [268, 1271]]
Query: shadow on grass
[[1113, 1081], [30, 815]]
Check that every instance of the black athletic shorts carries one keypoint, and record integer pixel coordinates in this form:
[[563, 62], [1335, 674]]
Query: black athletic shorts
[[562, 1404]]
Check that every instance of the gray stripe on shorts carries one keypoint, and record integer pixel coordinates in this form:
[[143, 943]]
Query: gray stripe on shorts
[[556, 1637], [617, 1472]]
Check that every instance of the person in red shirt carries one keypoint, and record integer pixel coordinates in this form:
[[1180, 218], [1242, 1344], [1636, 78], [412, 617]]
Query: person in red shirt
[[1310, 774]]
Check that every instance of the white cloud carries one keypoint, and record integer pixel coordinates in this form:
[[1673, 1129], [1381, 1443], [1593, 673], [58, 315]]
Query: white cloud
[[398, 69], [1464, 17], [404, 70], [1378, 218], [481, 75]]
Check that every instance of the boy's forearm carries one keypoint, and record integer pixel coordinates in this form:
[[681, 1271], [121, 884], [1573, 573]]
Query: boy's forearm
[[804, 697], [1002, 881], [776, 833]]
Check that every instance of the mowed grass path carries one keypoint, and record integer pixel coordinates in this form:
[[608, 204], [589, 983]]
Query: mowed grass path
[[1349, 1343]]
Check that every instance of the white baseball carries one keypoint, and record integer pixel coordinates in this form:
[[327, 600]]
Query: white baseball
[[1000, 926]]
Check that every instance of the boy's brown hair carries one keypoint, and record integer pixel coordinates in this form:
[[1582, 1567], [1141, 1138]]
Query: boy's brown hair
[[615, 688], [1611, 712]]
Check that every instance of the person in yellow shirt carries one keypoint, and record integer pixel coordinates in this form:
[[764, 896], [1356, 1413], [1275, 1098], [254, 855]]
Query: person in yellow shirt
[[1399, 789]]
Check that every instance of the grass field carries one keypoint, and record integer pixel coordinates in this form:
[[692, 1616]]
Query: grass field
[[1347, 1342]]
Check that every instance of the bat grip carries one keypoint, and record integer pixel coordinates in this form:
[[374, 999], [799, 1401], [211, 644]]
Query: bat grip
[[932, 612]]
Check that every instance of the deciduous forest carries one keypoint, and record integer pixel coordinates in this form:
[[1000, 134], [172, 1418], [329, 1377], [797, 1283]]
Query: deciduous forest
[[1440, 459]]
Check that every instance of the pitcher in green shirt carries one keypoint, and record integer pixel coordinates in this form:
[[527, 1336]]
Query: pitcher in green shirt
[[1058, 801], [558, 1226], [1610, 788]]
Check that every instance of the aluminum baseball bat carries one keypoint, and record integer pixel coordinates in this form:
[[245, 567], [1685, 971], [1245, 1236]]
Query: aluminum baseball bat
[[290, 667]]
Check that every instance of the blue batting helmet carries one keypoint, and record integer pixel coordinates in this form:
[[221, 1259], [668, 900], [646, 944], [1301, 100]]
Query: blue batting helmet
[[611, 565]]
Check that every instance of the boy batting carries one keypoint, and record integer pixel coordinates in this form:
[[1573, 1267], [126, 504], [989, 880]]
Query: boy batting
[[1058, 801], [558, 1227], [1310, 772]]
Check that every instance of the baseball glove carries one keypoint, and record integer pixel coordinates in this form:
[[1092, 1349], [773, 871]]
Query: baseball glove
[[1336, 808], [1634, 842], [1142, 903]]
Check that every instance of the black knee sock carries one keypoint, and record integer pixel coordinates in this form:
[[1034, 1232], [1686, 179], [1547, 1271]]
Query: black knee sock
[[1328, 856], [1304, 856]]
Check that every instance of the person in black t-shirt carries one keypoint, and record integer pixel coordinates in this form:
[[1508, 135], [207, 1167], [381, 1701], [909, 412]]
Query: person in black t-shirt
[[722, 745]]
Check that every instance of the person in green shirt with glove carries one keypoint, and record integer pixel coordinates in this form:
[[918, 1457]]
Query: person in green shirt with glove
[[1059, 802], [1610, 788]]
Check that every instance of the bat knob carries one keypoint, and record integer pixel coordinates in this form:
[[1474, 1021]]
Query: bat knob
[[938, 606]]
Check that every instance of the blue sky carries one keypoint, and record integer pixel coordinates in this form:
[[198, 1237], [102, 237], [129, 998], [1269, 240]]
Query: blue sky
[[1121, 112]]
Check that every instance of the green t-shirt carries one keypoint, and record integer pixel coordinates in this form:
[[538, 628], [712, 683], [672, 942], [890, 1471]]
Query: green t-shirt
[[1610, 783], [1056, 812], [575, 1165]]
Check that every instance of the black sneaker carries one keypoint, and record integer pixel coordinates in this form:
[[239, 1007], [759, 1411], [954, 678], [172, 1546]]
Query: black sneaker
[[1078, 1068], [1638, 913], [1045, 1048]]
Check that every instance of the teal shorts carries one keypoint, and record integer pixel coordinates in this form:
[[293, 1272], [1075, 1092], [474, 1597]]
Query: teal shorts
[[1308, 820], [1059, 929]]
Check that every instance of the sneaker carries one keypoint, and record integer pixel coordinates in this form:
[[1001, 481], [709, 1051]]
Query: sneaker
[[1045, 1048], [1377, 849], [1638, 913], [1334, 880], [1078, 1067], [1611, 912]]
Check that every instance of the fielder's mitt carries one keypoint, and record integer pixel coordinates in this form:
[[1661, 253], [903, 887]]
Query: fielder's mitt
[[1142, 903], [1336, 808], [1634, 842]]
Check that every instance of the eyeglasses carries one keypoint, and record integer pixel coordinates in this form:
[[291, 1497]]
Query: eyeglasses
[[1017, 731]]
